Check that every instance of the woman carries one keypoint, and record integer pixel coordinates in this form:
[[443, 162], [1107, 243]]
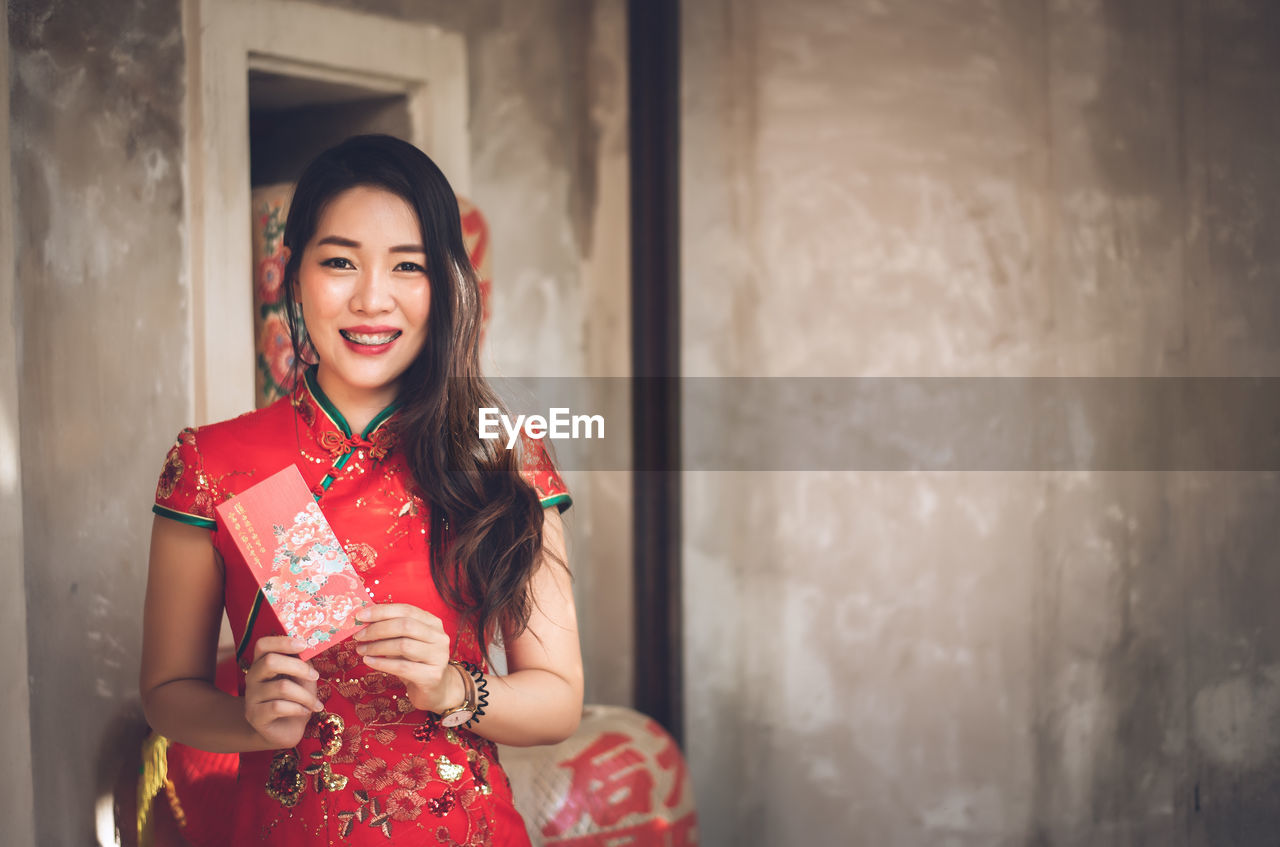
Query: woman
[[450, 533]]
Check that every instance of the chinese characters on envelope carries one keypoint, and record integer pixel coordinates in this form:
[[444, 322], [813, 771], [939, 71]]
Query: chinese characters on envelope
[[296, 558]]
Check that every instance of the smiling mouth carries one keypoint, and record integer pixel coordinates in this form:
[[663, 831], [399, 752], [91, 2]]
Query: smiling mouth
[[370, 339]]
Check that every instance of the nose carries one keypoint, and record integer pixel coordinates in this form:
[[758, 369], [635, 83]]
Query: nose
[[372, 293]]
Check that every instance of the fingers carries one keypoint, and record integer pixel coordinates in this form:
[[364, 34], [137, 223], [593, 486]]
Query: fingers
[[277, 644], [405, 669], [436, 654], [387, 611], [284, 693], [408, 643], [430, 630], [266, 713], [279, 684], [271, 665], [398, 630]]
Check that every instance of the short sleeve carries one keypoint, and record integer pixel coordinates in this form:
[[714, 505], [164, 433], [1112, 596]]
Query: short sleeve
[[538, 470], [182, 494]]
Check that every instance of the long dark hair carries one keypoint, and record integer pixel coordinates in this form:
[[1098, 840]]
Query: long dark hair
[[486, 521]]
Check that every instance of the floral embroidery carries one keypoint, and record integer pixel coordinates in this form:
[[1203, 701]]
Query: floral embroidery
[[413, 771], [337, 661], [394, 789], [203, 504], [370, 810], [348, 819], [173, 468], [374, 773], [378, 682], [285, 783], [183, 486], [404, 804], [377, 710], [350, 746]]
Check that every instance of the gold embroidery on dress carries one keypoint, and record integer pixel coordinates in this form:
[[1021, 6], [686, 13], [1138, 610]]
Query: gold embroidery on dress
[[169, 478], [388, 788]]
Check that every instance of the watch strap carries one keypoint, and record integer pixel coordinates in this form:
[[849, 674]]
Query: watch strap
[[468, 693]]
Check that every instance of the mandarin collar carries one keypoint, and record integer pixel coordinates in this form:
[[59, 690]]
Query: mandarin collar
[[331, 428]]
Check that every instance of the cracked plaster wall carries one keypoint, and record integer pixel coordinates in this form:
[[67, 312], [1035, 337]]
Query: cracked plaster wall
[[981, 189]]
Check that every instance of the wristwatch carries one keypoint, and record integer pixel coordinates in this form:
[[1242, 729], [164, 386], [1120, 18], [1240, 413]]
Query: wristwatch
[[459, 715]]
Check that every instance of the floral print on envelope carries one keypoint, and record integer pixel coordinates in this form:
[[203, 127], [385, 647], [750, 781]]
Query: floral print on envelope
[[313, 588]]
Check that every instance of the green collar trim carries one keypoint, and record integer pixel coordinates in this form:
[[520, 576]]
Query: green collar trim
[[379, 419], [183, 517], [325, 404], [332, 413], [561, 501]]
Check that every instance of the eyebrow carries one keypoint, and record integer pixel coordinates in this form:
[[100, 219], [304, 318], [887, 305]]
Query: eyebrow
[[355, 245]]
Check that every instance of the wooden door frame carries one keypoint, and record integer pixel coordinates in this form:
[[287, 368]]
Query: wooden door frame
[[18, 804], [225, 39], [653, 42]]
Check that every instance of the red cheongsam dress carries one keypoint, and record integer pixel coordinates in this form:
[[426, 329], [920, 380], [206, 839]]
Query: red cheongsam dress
[[371, 769]]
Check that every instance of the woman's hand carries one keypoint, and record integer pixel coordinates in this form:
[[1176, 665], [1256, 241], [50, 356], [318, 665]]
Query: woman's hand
[[410, 644], [280, 691]]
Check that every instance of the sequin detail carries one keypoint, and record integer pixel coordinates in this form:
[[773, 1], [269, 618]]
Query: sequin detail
[[330, 780], [448, 771], [442, 805], [331, 728], [285, 783], [427, 729]]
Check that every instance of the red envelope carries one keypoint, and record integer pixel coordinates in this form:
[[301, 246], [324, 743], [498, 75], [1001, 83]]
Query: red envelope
[[296, 558]]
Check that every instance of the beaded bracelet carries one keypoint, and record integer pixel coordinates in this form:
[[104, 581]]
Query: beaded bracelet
[[482, 687]]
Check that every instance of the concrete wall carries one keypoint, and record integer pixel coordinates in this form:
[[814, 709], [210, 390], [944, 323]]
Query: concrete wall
[[996, 189], [103, 311], [96, 106]]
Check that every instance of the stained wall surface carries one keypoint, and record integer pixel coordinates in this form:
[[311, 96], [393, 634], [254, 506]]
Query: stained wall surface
[[103, 311], [981, 189], [96, 106]]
